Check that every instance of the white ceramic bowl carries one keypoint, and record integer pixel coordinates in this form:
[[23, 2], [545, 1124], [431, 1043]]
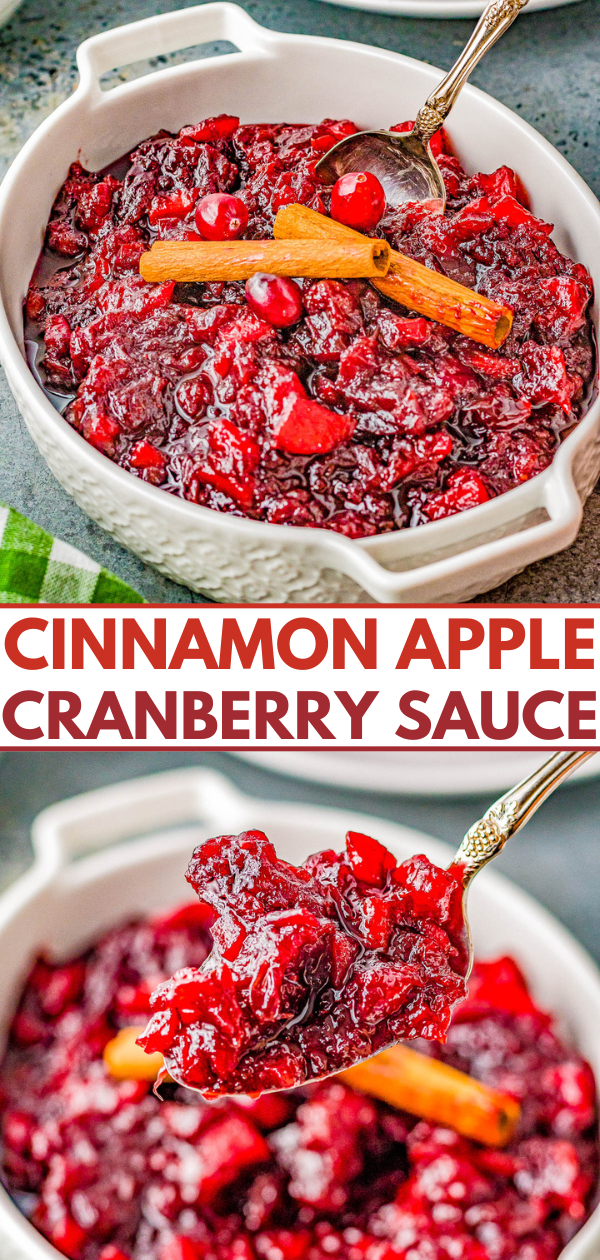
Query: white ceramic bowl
[[122, 851], [295, 77]]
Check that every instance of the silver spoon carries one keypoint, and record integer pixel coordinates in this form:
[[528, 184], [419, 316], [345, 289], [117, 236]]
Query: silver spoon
[[403, 161], [486, 838]]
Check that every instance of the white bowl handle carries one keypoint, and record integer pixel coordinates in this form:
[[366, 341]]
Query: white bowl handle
[[126, 811], [163, 34], [557, 496]]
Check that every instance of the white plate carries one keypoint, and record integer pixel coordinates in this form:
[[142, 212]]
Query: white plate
[[410, 773], [437, 8], [122, 851]]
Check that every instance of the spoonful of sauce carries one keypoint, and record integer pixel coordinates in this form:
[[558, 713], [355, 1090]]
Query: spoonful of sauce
[[402, 161], [316, 968]]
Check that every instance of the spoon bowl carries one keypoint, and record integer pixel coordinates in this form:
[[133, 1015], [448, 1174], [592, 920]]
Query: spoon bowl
[[403, 161], [403, 164]]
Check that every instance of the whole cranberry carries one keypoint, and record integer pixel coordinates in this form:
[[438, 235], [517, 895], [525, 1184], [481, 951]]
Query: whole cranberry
[[274, 298], [358, 200], [221, 217]]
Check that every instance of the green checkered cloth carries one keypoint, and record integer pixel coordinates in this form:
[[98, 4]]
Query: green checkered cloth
[[36, 568]]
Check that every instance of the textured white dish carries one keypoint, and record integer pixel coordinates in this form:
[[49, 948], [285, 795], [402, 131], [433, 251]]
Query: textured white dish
[[144, 830], [438, 8], [410, 773], [276, 76]]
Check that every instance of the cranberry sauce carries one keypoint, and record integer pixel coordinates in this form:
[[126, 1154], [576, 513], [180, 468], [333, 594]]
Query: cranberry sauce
[[188, 387], [313, 967], [108, 1172]]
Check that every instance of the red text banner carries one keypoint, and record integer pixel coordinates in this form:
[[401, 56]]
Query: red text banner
[[300, 677]]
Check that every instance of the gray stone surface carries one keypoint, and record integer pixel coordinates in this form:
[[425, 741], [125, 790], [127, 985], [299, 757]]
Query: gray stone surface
[[547, 68], [556, 858]]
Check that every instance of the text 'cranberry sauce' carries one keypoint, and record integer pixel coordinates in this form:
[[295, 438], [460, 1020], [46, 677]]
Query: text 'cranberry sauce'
[[108, 1172], [313, 968], [189, 388]]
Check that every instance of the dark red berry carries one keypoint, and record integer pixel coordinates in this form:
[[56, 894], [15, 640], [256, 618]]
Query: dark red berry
[[145, 455], [68, 1237], [17, 1127], [358, 200], [221, 217], [274, 298], [174, 205], [180, 1248]]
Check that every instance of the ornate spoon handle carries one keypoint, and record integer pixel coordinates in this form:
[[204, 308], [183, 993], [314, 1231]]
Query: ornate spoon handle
[[486, 838], [496, 18]]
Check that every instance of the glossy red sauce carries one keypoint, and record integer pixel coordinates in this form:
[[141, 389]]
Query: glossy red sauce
[[188, 388], [313, 967], [108, 1172]]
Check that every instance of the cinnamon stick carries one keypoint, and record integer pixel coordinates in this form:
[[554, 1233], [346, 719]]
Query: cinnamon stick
[[434, 1091], [398, 1076], [409, 282], [186, 261], [125, 1061]]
